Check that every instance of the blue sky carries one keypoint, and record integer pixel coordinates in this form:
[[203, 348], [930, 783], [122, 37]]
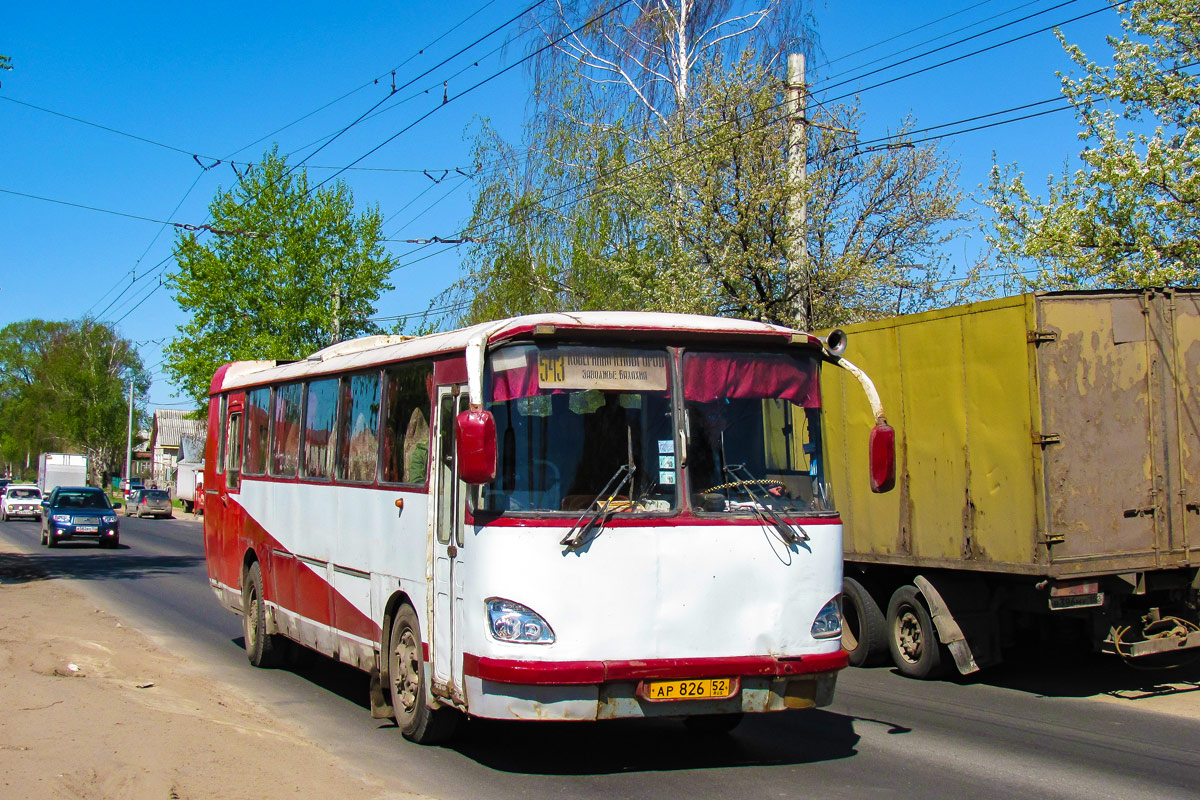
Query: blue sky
[[219, 80]]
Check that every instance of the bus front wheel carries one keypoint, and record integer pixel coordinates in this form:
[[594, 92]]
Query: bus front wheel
[[406, 677]]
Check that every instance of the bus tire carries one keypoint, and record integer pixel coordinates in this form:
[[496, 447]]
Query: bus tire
[[864, 627], [912, 637], [263, 649], [406, 679]]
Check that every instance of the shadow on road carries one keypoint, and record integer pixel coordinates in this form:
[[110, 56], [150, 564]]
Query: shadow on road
[[89, 562], [345, 681], [655, 745], [1067, 673], [614, 746], [1050, 670]]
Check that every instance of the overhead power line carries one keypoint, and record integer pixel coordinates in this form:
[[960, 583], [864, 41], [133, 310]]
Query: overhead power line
[[181, 225], [956, 59], [341, 169], [373, 81], [447, 99]]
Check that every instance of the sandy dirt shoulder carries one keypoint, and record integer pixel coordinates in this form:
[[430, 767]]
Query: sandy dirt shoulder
[[90, 708]]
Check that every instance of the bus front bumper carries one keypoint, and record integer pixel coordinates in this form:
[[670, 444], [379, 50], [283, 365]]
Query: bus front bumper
[[507, 689]]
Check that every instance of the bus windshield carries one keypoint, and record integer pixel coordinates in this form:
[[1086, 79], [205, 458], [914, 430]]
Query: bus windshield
[[754, 433], [576, 425]]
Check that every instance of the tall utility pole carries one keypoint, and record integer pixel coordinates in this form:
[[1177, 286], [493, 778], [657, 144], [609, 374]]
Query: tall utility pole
[[797, 105], [129, 436], [336, 328]]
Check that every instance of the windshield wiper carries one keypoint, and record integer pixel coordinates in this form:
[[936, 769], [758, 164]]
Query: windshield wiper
[[742, 478], [596, 513]]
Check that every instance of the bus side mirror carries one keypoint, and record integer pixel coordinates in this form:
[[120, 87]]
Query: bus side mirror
[[883, 458], [475, 438]]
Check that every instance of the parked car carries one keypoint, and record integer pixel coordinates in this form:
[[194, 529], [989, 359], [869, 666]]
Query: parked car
[[149, 503], [79, 512], [20, 500], [130, 486]]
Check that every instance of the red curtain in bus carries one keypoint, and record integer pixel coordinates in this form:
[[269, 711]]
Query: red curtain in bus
[[715, 376]]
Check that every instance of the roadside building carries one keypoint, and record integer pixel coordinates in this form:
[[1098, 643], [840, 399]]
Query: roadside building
[[171, 433]]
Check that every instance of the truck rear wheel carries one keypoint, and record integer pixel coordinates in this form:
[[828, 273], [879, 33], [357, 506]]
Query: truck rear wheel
[[912, 637], [864, 627]]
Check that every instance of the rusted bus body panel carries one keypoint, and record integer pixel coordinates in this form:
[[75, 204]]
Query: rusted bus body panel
[[1047, 434]]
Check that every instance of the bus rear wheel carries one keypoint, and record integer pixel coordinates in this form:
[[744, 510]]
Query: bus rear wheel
[[263, 649], [406, 677]]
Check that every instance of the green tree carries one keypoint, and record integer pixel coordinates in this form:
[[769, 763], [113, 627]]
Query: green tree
[[63, 388], [296, 271], [1129, 216]]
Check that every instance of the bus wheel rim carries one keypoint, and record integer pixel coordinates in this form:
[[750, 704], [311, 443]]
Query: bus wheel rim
[[408, 681]]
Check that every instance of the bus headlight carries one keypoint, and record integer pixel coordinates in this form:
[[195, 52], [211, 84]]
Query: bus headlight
[[828, 623], [513, 622]]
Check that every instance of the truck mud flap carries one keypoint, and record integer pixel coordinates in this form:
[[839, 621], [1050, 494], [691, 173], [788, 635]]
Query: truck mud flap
[[965, 623]]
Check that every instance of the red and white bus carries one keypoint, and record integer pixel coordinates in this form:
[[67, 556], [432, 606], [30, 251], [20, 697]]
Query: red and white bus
[[554, 517]]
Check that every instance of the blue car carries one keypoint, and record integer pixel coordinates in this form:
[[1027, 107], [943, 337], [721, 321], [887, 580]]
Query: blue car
[[79, 512]]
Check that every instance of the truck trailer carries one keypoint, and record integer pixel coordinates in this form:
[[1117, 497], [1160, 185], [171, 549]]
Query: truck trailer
[[189, 485], [1047, 458], [61, 469]]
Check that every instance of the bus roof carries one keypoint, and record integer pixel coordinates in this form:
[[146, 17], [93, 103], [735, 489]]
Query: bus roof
[[368, 350]]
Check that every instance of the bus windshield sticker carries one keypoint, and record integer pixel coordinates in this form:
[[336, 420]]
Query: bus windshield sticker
[[622, 370], [509, 358], [666, 445]]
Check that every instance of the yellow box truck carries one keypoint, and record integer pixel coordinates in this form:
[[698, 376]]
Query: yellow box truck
[[1048, 459]]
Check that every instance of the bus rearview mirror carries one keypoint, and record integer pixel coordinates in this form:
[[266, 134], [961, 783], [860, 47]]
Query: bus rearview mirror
[[475, 438], [883, 458]]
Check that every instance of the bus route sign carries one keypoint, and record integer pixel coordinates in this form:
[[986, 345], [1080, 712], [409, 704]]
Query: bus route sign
[[580, 368]]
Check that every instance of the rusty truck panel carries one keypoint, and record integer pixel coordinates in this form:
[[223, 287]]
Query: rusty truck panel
[[1049, 433], [1048, 452]]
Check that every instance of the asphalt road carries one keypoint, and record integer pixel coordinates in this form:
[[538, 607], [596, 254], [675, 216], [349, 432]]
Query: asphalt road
[[1025, 730]]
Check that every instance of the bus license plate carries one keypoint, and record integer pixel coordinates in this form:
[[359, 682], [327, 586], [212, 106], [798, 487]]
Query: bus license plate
[[703, 689]]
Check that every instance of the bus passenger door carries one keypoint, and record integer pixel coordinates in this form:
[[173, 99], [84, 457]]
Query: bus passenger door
[[228, 512], [448, 552]]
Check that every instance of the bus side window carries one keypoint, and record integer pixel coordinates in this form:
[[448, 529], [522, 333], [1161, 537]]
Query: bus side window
[[320, 411], [233, 450], [358, 428], [285, 430], [258, 403], [405, 435]]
